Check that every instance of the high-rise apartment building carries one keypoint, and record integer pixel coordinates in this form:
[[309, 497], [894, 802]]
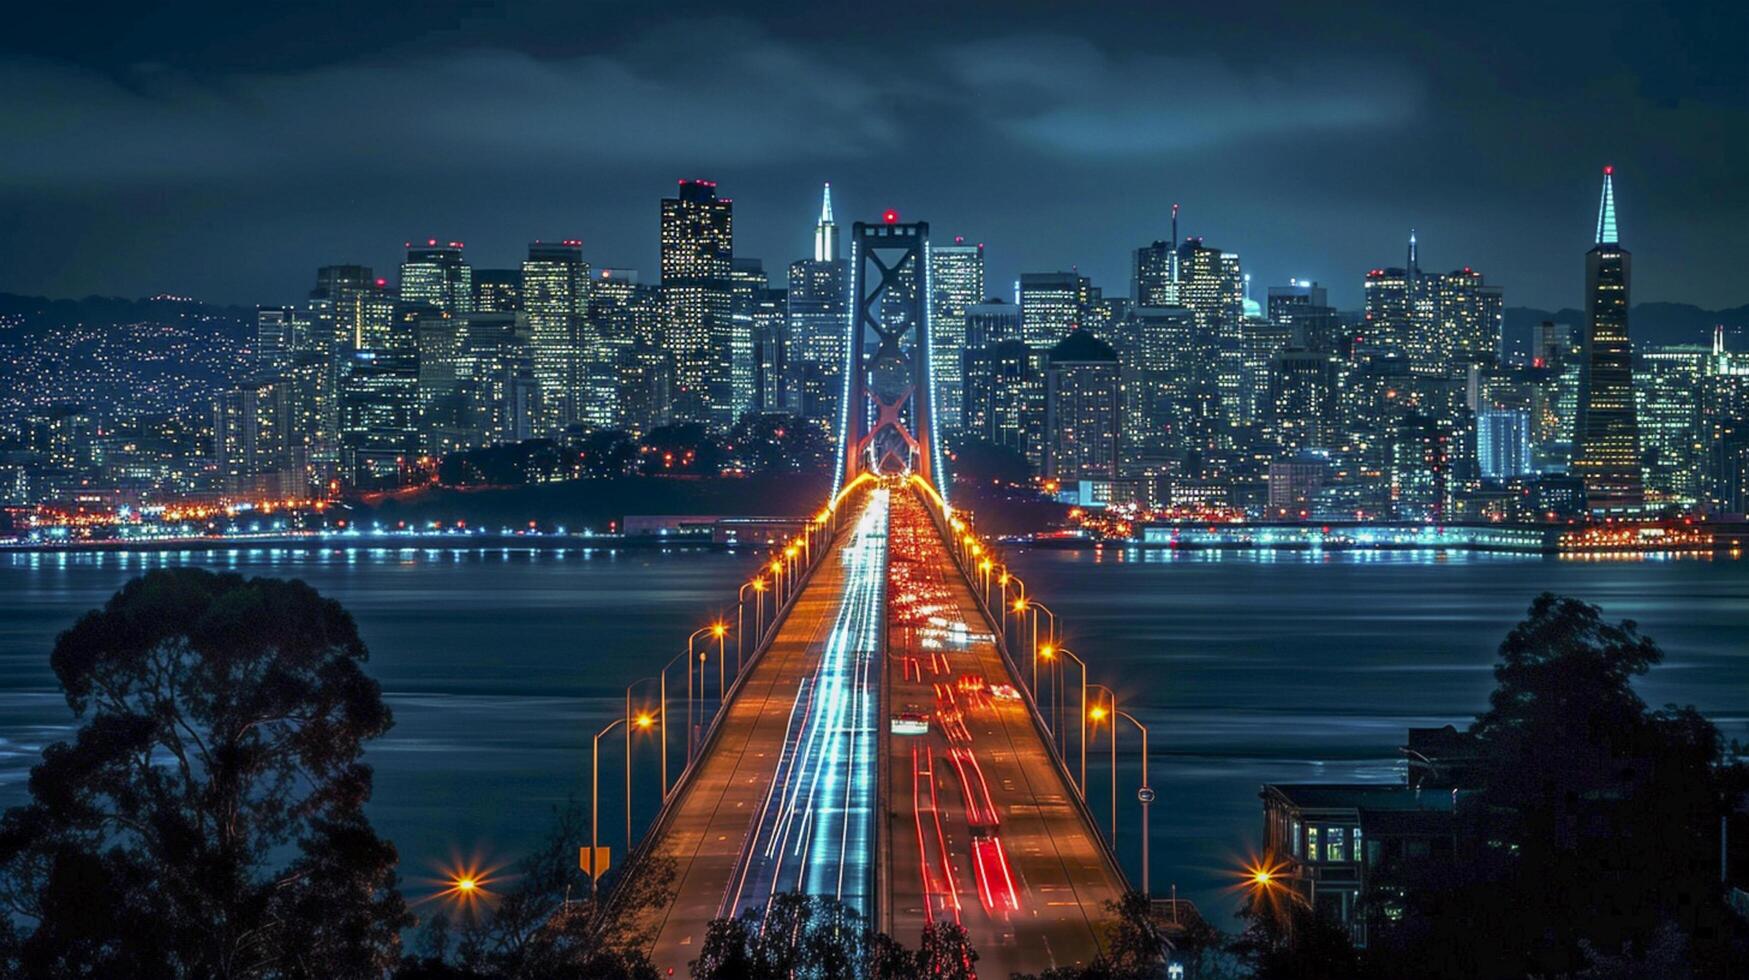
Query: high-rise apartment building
[[555, 296], [1469, 313], [698, 248], [1606, 443], [435, 274], [1083, 410], [956, 281]]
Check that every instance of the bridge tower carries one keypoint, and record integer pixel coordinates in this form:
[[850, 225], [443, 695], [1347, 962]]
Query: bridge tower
[[887, 415]]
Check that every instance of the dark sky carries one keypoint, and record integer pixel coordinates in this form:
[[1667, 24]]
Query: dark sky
[[225, 152]]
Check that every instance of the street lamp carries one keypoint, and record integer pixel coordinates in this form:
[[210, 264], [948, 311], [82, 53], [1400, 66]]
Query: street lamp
[[719, 631], [642, 721], [1021, 606], [661, 723], [1268, 882], [1083, 665], [595, 799], [758, 587]]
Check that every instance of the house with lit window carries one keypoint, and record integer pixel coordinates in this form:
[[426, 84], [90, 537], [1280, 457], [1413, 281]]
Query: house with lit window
[[1346, 849]]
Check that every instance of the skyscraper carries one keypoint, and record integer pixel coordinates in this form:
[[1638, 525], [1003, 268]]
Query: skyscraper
[[748, 285], [1082, 410], [436, 274], [956, 277], [1051, 306], [1606, 443], [555, 295], [818, 314], [698, 249], [826, 230], [280, 333]]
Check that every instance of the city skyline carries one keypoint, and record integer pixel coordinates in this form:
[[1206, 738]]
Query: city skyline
[[1311, 164]]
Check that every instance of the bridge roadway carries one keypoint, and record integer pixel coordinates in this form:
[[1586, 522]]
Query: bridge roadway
[[786, 796], [1031, 880]]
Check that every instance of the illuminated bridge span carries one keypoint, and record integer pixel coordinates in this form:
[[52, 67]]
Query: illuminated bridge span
[[881, 743]]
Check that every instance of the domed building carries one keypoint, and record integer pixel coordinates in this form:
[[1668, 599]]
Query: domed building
[[1083, 413]]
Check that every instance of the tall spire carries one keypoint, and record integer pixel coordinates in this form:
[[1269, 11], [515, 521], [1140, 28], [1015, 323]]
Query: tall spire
[[1174, 244], [1414, 260], [1606, 234], [826, 232]]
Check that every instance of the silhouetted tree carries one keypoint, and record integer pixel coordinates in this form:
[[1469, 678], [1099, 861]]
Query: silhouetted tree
[[982, 463], [605, 453], [1134, 945], [208, 818], [541, 922], [946, 952], [1288, 941], [683, 449], [777, 444], [1594, 822]]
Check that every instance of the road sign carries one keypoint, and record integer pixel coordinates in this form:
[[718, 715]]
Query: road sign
[[597, 867], [1145, 794]]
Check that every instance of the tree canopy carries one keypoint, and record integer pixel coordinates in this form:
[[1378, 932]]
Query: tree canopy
[[207, 819]]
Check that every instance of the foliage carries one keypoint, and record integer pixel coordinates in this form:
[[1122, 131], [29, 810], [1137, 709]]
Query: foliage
[[543, 922], [207, 819], [1288, 941], [684, 449], [817, 937], [511, 464], [1594, 822], [777, 444], [979, 462]]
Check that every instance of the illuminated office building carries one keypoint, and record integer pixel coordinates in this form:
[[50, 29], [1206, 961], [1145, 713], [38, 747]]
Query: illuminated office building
[[1051, 306], [497, 290], [435, 274], [1606, 443], [956, 276], [555, 297], [698, 247]]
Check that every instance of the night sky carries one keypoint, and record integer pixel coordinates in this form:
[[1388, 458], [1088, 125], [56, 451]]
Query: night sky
[[226, 153]]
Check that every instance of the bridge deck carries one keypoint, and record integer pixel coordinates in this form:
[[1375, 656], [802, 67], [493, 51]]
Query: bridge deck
[[786, 797], [773, 780], [1030, 888]]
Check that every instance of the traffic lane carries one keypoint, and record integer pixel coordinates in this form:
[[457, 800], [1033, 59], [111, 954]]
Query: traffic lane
[[1059, 865], [710, 823]]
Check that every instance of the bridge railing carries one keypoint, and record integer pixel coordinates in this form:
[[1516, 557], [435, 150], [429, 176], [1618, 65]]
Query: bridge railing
[[969, 552], [799, 566]]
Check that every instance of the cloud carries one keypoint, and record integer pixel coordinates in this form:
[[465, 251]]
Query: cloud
[[1067, 96], [720, 94]]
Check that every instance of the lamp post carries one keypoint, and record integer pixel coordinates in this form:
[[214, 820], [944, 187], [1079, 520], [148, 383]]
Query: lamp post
[[1145, 793], [661, 722], [717, 630], [1083, 665], [664, 685], [1021, 606], [1108, 712], [758, 587], [595, 799]]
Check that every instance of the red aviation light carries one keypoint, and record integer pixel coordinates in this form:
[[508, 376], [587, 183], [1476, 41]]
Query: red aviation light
[[890, 216], [1608, 169]]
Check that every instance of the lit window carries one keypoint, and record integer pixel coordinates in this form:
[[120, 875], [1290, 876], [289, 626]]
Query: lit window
[[1336, 847], [1312, 843]]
